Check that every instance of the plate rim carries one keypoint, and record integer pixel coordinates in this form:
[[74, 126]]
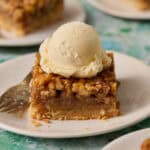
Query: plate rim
[[6, 43], [125, 136], [113, 12], [66, 135]]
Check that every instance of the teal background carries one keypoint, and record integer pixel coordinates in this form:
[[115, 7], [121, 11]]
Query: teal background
[[125, 36]]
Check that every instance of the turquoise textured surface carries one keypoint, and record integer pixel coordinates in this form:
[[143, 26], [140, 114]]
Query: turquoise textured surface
[[126, 36]]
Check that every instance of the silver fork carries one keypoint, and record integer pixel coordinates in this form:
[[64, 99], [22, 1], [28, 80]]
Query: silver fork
[[16, 98]]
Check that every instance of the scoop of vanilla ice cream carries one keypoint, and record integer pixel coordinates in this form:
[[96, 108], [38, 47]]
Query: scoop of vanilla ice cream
[[73, 50]]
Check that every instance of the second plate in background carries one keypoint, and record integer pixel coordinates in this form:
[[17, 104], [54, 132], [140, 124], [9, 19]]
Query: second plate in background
[[73, 12]]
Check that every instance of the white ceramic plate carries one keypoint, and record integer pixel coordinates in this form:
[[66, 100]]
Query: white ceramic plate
[[118, 9], [132, 141], [73, 12], [133, 95]]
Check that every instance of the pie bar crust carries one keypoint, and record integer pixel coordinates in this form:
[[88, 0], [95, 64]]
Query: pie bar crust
[[141, 5], [26, 16], [146, 145], [58, 98]]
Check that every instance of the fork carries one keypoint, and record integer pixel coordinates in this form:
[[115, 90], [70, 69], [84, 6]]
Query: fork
[[16, 98]]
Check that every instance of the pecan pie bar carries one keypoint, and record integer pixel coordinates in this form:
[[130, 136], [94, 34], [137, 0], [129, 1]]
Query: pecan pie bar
[[22, 17], [58, 98]]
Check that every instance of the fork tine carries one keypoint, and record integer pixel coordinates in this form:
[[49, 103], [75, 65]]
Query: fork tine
[[9, 107], [16, 97], [12, 107], [13, 111], [5, 109], [18, 108], [11, 104], [5, 99], [4, 104]]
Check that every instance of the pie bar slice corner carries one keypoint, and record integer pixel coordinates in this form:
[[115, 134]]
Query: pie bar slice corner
[[22, 17], [141, 5], [55, 97], [146, 145]]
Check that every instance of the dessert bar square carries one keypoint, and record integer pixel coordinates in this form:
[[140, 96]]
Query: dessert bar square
[[58, 98], [22, 17]]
